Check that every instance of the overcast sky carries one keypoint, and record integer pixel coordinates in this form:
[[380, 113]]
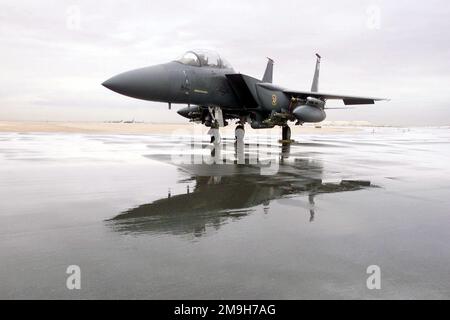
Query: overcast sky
[[55, 54]]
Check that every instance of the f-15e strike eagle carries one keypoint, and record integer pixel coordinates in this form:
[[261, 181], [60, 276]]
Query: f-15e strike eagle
[[215, 93]]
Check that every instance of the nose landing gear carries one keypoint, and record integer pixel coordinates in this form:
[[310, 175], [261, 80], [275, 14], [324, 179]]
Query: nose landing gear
[[215, 135]]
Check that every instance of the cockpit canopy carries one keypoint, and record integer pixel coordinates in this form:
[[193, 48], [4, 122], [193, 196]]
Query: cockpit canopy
[[204, 58]]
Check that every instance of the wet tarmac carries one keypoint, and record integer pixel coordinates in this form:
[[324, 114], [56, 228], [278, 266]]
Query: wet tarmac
[[165, 217]]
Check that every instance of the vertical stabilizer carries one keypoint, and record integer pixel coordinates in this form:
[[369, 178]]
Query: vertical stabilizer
[[315, 83], [268, 74]]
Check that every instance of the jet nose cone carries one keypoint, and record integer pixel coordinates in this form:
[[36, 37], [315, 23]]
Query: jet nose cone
[[110, 84], [121, 83], [151, 83]]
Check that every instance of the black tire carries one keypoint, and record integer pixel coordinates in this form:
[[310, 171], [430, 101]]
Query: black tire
[[239, 132], [286, 133]]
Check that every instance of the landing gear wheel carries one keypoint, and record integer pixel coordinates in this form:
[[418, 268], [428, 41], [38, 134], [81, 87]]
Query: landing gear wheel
[[239, 133], [215, 136], [286, 134]]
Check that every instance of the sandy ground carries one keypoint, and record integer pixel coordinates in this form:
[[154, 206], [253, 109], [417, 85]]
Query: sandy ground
[[137, 128]]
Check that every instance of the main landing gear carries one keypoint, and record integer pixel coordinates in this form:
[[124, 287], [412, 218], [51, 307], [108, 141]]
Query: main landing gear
[[239, 133], [286, 134]]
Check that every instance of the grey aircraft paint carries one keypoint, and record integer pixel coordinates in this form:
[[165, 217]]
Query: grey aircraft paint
[[211, 88]]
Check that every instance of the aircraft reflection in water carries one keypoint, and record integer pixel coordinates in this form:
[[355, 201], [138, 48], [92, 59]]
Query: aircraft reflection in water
[[225, 192]]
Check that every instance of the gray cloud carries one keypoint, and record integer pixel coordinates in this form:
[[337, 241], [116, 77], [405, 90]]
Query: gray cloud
[[52, 69]]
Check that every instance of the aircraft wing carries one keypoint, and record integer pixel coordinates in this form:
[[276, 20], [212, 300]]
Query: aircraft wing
[[348, 100]]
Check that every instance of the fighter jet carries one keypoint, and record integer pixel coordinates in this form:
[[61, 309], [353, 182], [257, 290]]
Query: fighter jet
[[214, 93]]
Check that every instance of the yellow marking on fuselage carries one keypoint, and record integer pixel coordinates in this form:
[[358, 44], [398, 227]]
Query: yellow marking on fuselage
[[274, 100], [200, 91]]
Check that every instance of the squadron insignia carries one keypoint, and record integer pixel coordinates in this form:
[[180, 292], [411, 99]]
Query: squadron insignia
[[274, 99]]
